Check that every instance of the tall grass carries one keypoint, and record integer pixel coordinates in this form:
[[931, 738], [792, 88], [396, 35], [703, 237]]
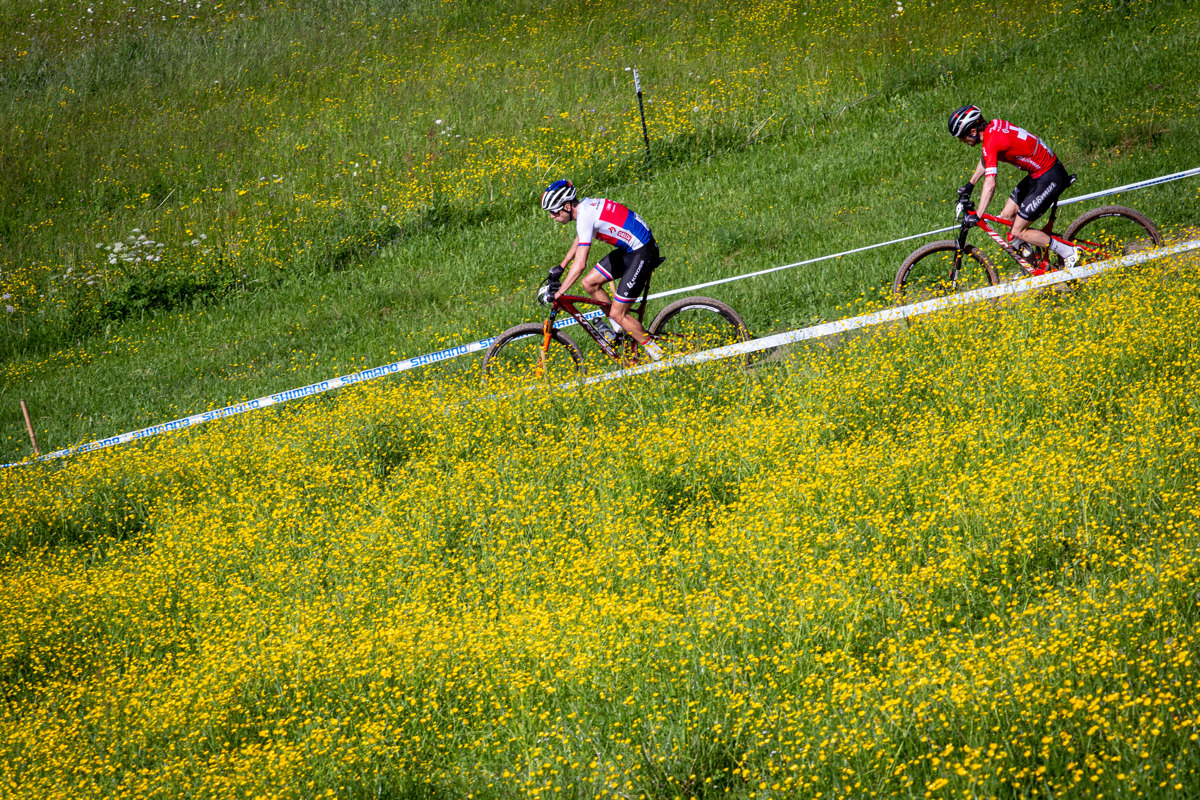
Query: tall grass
[[817, 131], [953, 558]]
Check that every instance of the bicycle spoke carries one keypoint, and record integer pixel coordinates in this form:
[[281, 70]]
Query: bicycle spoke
[[930, 272], [1113, 238]]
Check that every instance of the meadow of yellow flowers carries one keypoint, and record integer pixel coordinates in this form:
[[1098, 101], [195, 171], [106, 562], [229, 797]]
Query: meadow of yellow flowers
[[953, 558], [957, 559]]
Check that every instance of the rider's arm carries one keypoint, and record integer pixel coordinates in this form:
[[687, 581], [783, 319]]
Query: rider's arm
[[985, 195], [978, 173], [988, 161], [577, 257]]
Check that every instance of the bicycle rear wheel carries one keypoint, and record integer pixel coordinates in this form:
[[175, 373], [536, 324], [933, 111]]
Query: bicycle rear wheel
[[517, 355], [1111, 232], [696, 324], [928, 272]]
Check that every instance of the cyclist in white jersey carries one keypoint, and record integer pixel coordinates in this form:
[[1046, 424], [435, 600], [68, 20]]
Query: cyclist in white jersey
[[630, 263]]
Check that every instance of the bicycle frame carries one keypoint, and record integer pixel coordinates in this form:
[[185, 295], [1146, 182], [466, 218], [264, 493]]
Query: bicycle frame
[[1006, 245], [567, 303]]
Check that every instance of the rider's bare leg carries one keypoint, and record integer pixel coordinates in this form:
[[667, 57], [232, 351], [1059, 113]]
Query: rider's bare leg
[[1035, 236], [593, 286], [1021, 230], [620, 315], [1020, 227]]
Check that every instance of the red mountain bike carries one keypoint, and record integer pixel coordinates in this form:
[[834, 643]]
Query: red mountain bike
[[953, 265], [540, 350]]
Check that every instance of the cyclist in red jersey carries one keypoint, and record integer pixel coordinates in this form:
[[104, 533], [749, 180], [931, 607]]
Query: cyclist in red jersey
[[1047, 178], [630, 263]]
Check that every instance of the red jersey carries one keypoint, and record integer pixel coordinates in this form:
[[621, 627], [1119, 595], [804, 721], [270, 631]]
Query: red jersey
[[1004, 141]]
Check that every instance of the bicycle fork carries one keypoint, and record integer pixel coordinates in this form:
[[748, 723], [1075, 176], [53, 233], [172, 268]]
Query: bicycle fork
[[547, 332]]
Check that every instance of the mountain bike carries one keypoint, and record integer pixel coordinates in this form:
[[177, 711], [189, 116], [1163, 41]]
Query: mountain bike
[[540, 350], [953, 265]]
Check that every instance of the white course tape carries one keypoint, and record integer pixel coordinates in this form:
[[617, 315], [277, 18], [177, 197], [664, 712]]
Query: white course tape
[[1129, 187], [892, 314], [1126, 188], [483, 344]]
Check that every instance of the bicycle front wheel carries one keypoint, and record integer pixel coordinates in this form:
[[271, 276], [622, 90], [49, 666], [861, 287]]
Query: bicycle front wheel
[[929, 272], [517, 354], [1110, 232], [696, 324]]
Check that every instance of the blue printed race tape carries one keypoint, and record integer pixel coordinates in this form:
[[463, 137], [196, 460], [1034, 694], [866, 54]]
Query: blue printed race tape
[[271, 399], [483, 344]]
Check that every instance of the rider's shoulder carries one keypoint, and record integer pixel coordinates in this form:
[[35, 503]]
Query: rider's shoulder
[[1001, 126], [591, 205]]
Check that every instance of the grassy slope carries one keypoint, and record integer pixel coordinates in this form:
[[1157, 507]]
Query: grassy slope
[[958, 558], [910, 565], [833, 179]]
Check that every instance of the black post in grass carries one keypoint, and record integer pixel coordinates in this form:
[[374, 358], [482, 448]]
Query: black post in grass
[[637, 85]]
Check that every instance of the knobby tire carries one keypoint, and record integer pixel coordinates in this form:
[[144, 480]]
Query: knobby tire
[[1088, 226]]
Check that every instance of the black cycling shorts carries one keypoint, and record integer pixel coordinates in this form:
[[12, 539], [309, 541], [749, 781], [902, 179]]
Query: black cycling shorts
[[631, 270], [1034, 195]]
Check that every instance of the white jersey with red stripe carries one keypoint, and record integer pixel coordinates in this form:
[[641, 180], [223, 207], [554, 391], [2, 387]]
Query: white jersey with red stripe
[[1003, 141], [610, 222]]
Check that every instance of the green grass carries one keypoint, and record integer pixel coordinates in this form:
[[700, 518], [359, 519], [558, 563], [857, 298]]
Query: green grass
[[937, 559], [843, 146]]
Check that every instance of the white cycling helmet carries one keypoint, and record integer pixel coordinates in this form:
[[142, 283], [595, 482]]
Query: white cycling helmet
[[963, 120], [557, 195]]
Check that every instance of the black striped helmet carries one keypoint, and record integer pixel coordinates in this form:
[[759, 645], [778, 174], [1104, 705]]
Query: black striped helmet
[[557, 195], [963, 120]]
